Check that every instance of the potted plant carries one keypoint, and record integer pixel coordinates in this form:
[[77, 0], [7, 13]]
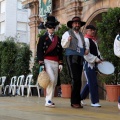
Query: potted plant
[[65, 81], [64, 75], [107, 30]]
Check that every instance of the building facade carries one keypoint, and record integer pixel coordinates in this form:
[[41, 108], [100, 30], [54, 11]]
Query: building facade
[[14, 21]]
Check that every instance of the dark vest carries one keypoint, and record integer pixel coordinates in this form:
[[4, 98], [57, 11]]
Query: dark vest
[[93, 48], [74, 42]]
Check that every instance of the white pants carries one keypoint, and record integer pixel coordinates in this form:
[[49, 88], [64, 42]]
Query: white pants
[[52, 70]]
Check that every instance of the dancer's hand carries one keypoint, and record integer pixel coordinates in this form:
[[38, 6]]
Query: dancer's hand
[[60, 67]]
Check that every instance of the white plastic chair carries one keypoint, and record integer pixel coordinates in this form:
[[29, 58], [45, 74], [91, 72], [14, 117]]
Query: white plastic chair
[[13, 82], [17, 85], [26, 83], [33, 86], [2, 80]]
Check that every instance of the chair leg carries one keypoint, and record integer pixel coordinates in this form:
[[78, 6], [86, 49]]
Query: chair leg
[[0, 89], [10, 89], [5, 89], [14, 90], [28, 91], [18, 91], [22, 90], [38, 91]]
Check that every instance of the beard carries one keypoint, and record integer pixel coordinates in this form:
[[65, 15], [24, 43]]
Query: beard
[[76, 28]]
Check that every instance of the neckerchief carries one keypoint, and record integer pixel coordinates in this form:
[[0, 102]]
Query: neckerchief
[[91, 37]]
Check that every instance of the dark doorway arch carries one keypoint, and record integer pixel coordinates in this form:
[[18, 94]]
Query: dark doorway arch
[[94, 17]]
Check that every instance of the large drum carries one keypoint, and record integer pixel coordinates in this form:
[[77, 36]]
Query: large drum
[[106, 68]]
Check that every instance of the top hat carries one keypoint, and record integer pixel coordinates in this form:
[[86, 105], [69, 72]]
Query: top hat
[[51, 21], [75, 19], [90, 27]]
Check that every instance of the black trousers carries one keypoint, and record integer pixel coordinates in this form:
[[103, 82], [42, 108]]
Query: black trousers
[[75, 67]]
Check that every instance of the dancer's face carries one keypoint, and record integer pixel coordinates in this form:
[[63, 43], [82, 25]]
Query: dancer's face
[[91, 32], [76, 26]]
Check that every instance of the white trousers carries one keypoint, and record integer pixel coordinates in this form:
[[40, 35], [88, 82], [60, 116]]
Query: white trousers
[[52, 70]]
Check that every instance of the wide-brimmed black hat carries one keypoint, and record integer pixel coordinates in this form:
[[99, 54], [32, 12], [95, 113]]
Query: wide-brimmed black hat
[[91, 27], [51, 21], [75, 19]]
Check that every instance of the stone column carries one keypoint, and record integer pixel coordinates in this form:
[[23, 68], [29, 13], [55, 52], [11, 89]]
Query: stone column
[[33, 5], [34, 20]]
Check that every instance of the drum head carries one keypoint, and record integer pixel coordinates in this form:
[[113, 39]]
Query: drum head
[[106, 67]]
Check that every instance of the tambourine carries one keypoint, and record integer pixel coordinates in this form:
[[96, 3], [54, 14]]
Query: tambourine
[[106, 68]]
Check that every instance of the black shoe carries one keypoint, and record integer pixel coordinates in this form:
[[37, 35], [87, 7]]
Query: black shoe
[[76, 106]]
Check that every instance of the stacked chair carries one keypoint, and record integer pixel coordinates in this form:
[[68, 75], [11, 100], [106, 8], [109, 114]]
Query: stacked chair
[[33, 86], [12, 83], [18, 84], [26, 83], [16, 87]]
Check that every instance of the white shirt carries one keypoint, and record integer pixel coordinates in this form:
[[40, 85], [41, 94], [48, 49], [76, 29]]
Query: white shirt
[[80, 43], [90, 57], [117, 47], [65, 42], [51, 36]]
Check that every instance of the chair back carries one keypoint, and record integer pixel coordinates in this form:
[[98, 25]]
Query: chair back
[[13, 80], [28, 79], [20, 80], [3, 79]]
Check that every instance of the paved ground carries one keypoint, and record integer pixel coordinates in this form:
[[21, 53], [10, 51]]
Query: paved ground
[[32, 108]]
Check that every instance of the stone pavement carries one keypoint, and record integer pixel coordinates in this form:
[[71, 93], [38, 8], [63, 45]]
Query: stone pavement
[[32, 108]]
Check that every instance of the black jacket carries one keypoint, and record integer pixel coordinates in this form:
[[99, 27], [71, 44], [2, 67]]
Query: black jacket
[[44, 43]]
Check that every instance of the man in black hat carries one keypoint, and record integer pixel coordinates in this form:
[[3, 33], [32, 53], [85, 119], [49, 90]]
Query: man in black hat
[[73, 42], [91, 59], [49, 53]]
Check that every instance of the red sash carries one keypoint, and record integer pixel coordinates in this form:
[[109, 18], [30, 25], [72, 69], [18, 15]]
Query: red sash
[[52, 45]]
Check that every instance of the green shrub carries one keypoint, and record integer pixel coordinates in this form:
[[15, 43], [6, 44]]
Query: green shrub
[[42, 32], [22, 60], [107, 30], [35, 70], [15, 58]]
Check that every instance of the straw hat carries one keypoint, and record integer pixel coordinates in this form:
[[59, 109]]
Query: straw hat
[[43, 79]]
